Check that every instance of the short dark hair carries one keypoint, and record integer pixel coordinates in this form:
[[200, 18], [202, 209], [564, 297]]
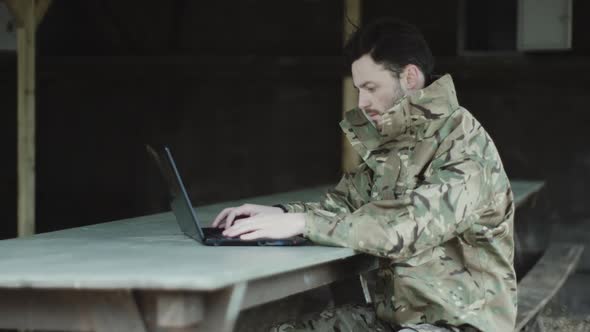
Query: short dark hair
[[392, 43]]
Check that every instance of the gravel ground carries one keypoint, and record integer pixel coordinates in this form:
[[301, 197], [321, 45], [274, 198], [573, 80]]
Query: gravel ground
[[559, 318]]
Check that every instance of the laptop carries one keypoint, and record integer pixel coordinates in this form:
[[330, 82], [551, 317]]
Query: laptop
[[186, 215]]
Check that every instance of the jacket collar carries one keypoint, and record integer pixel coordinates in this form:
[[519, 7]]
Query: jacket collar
[[419, 113]]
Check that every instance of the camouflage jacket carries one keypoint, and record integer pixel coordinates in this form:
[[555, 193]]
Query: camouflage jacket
[[432, 200]]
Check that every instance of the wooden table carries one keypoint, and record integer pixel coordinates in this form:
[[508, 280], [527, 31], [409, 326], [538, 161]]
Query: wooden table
[[143, 274]]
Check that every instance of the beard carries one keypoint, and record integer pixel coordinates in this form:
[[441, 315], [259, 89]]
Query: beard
[[398, 94], [376, 116]]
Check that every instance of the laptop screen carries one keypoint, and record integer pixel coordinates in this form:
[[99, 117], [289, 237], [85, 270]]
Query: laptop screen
[[179, 200]]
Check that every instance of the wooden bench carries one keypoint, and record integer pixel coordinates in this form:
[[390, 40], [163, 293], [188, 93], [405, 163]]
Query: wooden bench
[[542, 271], [543, 281]]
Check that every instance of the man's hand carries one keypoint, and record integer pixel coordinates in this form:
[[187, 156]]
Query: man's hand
[[227, 217], [271, 226]]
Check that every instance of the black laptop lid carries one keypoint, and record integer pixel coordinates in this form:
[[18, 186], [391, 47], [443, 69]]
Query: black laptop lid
[[179, 199]]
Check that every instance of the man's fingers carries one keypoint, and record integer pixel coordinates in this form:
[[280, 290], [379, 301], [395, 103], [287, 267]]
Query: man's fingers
[[230, 218], [237, 212], [239, 220], [243, 227], [221, 216], [254, 235]]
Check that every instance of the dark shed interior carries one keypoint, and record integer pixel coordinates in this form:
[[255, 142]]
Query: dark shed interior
[[248, 95]]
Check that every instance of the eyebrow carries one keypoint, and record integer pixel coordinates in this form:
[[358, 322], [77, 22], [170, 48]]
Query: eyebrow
[[364, 84]]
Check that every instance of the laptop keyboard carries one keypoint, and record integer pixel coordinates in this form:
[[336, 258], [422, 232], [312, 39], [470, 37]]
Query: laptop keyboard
[[214, 233]]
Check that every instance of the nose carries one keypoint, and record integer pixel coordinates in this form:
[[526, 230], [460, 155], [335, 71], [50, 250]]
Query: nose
[[364, 101]]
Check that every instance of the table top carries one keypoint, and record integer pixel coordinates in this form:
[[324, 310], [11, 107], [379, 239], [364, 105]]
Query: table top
[[150, 252]]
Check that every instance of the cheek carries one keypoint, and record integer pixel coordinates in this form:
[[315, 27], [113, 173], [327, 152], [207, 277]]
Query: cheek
[[391, 97], [385, 100]]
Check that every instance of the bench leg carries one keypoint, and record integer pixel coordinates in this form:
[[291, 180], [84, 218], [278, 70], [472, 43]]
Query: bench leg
[[196, 312], [223, 308], [116, 311], [365, 286]]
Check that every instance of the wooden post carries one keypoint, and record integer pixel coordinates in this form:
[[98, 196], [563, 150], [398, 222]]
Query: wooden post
[[352, 14], [26, 119], [28, 14]]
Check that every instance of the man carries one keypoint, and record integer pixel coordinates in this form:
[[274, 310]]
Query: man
[[430, 198]]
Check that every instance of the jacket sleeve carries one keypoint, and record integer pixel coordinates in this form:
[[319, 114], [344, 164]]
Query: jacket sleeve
[[447, 203], [351, 193]]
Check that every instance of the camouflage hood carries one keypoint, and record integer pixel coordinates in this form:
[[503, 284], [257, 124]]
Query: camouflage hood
[[428, 107], [413, 124]]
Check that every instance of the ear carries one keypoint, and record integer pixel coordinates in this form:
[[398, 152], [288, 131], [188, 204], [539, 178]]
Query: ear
[[413, 77]]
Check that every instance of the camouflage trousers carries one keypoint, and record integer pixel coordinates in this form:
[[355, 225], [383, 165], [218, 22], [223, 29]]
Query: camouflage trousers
[[351, 318]]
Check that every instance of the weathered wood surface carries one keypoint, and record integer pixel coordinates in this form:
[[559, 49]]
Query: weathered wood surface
[[350, 20], [27, 15], [150, 252], [542, 282]]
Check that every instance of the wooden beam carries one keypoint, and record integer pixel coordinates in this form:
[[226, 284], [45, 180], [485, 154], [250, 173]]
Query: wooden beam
[[27, 14], [352, 18], [41, 8], [19, 10], [70, 310], [26, 119], [277, 287]]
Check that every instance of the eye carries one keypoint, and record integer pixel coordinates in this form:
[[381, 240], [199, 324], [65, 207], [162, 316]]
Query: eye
[[371, 89]]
